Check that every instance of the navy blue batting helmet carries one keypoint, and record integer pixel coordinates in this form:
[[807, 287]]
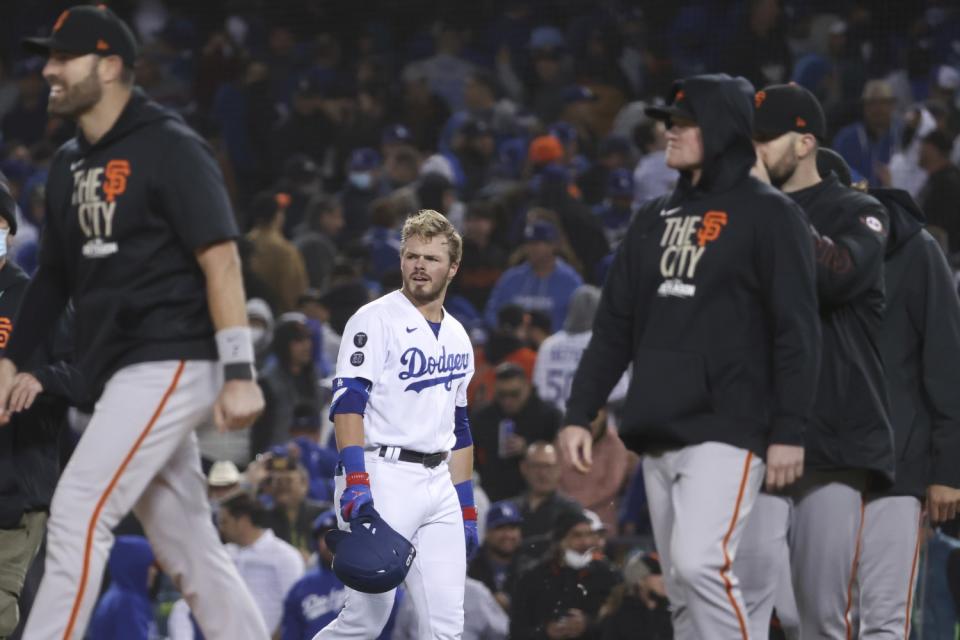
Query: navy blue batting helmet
[[371, 557]]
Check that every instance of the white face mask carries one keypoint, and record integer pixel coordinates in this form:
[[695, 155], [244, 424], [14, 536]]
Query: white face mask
[[3, 242], [576, 560], [361, 180]]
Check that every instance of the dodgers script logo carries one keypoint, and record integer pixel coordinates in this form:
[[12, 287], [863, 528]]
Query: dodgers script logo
[[419, 365]]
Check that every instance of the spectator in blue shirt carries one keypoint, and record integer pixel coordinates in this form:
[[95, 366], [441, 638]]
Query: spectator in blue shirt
[[542, 282], [867, 145], [124, 611]]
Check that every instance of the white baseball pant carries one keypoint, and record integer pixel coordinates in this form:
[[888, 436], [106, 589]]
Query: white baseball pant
[[887, 570], [139, 452], [699, 498], [421, 505], [813, 532]]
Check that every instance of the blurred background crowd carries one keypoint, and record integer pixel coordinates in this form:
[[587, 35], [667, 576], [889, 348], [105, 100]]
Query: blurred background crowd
[[522, 122]]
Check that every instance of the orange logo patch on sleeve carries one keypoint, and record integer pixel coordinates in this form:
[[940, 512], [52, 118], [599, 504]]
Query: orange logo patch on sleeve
[[710, 228], [60, 20], [116, 174], [680, 96], [759, 98], [6, 327]]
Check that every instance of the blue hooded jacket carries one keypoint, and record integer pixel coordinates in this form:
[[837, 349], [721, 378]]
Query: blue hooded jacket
[[124, 611]]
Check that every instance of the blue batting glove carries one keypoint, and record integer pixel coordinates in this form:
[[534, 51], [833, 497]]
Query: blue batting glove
[[470, 532], [355, 496]]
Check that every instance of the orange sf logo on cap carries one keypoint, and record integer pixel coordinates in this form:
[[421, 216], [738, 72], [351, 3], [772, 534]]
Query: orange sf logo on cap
[[680, 96], [60, 20], [759, 98], [102, 45], [801, 122]]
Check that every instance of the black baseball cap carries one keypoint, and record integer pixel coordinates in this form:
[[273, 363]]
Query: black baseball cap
[[88, 29], [679, 107], [782, 108]]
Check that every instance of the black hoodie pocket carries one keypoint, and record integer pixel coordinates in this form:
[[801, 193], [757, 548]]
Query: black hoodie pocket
[[668, 385]]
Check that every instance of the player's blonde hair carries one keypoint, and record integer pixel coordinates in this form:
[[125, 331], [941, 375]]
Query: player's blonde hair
[[428, 223]]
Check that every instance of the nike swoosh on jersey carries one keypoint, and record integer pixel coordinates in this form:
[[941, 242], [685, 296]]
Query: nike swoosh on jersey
[[409, 330], [669, 212], [76, 165]]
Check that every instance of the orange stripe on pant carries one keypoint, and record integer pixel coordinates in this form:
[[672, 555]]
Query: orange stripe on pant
[[853, 573], [726, 540], [913, 576], [91, 528]]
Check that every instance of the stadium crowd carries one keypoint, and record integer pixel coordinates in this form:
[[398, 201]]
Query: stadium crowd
[[522, 122]]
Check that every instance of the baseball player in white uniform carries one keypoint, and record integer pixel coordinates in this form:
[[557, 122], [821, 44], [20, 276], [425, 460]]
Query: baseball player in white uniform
[[400, 414]]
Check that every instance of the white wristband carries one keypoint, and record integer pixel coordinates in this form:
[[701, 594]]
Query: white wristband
[[235, 344]]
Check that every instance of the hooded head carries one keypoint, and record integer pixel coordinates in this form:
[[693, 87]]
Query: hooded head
[[722, 108], [582, 308], [130, 562], [260, 318]]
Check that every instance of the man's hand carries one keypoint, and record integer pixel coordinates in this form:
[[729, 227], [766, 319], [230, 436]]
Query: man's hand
[[514, 446], [943, 503], [576, 622], [26, 388], [558, 629], [784, 465], [238, 405], [8, 372], [471, 537], [356, 497], [576, 443]]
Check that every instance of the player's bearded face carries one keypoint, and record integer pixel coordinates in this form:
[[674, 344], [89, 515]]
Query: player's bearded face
[[426, 268], [780, 157], [74, 85]]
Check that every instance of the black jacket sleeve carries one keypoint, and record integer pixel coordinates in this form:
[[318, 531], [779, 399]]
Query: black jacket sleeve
[[190, 186], [848, 262], [611, 346], [787, 270], [45, 298], [58, 376], [941, 353]]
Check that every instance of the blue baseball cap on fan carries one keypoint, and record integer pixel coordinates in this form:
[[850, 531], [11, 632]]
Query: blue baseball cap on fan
[[503, 513], [620, 184], [364, 159], [396, 134], [540, 232]]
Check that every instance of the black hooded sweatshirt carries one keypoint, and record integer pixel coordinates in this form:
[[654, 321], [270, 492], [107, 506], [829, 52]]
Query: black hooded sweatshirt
[[850, 428], [920, 344], [124, 219], [30, 444], [712, 297]]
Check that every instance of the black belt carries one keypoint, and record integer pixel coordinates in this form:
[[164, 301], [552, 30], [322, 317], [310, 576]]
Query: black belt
[[429, 460]]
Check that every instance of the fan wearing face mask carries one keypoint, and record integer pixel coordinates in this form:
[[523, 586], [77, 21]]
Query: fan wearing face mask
[[561, 596]]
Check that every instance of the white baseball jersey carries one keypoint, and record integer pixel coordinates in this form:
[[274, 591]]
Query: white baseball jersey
[[557, 360], [417, 378]]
